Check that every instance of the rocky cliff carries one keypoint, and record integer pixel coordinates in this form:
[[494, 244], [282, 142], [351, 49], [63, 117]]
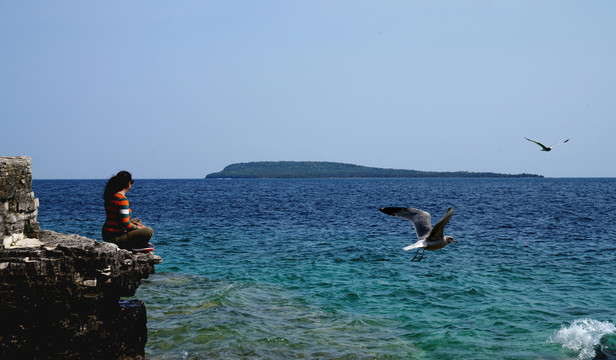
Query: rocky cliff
[[61, 294]]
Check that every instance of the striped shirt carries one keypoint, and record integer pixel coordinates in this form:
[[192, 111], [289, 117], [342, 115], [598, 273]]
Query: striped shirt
[[118, 215]]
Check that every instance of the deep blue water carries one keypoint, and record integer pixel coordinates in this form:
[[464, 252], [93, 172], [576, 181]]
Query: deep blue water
[[281, 269]]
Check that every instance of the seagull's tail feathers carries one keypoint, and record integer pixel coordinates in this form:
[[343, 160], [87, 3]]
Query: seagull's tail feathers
[[419, 244]]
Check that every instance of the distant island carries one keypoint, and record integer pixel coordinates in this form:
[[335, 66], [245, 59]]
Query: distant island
[[324, 169]]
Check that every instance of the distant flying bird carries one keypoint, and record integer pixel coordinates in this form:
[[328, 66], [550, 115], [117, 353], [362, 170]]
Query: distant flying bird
[[543, 147], [431, 238]]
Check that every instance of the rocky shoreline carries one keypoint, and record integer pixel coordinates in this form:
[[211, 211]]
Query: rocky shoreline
[[61, 294]]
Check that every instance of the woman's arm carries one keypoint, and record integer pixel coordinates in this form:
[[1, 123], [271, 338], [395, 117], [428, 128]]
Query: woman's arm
[[125, 213]]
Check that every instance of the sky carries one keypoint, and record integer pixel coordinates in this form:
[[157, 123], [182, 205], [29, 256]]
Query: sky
[[181, 89]]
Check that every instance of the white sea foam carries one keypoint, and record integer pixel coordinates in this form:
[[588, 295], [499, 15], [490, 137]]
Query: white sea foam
[[583, 335]]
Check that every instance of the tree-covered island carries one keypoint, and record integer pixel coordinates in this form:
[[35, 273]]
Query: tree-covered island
[[324, 169]]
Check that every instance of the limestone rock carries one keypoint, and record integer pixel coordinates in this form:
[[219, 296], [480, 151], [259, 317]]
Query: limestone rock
[[18, 206], [62, 298], [60, 294]]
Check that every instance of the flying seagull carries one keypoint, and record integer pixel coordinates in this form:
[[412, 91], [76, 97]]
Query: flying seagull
[[543, 147], [431, 238]]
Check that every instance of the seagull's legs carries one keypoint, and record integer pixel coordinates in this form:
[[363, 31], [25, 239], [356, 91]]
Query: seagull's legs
[[421, 257]]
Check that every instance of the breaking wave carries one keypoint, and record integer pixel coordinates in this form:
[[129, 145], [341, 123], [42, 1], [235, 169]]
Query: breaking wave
[[583, 335]]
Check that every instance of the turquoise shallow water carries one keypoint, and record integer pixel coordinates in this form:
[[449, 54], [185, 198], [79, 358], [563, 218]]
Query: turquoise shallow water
[[280, 269]]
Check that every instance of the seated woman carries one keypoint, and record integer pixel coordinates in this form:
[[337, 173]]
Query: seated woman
[[119, 228]]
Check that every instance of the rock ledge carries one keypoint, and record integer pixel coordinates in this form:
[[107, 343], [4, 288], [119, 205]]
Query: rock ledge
[[61, 299]]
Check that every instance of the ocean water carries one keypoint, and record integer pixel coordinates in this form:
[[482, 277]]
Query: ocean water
[[310, 269]]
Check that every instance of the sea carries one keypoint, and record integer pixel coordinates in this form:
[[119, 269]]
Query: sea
[[311, 269]]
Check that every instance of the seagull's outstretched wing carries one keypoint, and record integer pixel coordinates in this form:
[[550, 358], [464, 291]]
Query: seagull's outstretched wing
[[560, 143], [538, 143], [420, 219], [437, 232]]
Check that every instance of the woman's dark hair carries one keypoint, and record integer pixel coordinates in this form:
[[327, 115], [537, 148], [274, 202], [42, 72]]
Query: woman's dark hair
[[117, 182]]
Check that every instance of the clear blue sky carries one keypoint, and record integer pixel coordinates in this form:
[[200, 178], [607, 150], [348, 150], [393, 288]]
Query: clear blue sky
[[180, 89]]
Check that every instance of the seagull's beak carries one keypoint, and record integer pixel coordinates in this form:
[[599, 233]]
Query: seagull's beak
[[455, 241]]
